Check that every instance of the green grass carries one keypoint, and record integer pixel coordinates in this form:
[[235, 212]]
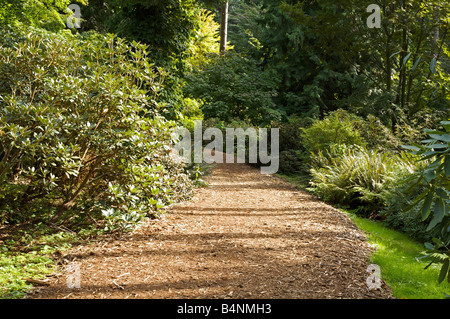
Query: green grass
[[397, 255], [15, 268], [25, 252]]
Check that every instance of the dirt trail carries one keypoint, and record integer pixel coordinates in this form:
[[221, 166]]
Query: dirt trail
[[247, 235]]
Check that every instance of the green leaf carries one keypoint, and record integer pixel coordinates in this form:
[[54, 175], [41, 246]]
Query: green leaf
[[444, 271], [448, 280], [430, 175], [428, 131], [442, 193], [427, 205], [410, 147], [433, 65], [405, 60], [427, 266], [441, 137], [416, 64], [394, 54], [437, 146], [439, 212]]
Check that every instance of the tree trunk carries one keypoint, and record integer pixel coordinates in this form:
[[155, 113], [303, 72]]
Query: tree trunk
[[435, 37], [224, 28]]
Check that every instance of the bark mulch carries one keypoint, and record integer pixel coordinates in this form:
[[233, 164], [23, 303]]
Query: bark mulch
[[247, 235]]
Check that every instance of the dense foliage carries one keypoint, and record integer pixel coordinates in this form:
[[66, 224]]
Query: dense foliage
[[435, 177], [48, 14], [235, 87]]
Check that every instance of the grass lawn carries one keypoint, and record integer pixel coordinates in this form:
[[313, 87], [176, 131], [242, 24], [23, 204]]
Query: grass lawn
[[397, 254]]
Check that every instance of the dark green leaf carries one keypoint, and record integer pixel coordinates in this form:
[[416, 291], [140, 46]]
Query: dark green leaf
[[428, 131], [430, 175], [417, 200], [416, 64], [410, 147], [442, 193], [439, 212], [394, 54], [427, 205], [437, 146], [405, 60]]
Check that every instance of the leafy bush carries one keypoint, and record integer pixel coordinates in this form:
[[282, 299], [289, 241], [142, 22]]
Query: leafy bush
[[357, 176], [80, 132], [293, 156], [436, 176], [337, 128], [376, 135], [402, 194], [435, 200]]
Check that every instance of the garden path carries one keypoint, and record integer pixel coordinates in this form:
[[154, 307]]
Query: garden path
[[247, 235]]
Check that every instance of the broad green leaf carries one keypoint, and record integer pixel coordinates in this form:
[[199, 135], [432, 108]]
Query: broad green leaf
[[394, 54], [416, 64], [405, 60], [442, 193], [416, 201], [427, 205], [441, 137], [430, 175], [437, 146], [448, 280], [439, 211], [410, 147], [428, 131]]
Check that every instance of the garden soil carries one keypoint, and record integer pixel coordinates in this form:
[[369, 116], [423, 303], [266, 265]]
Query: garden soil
[[246, 235]]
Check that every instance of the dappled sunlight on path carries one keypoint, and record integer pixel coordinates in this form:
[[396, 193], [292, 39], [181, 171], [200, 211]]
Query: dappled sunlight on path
[[247, 235]]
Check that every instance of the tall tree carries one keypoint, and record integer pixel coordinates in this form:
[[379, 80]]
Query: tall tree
[[224, 28], [329, 58]]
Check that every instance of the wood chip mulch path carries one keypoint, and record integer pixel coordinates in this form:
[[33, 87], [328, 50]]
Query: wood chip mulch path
[[246, 236]]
